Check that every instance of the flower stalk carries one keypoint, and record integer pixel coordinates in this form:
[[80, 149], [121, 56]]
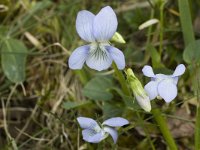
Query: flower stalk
[[197, 129], [162, 123], [197, 125], [82, 76], [122, 80]]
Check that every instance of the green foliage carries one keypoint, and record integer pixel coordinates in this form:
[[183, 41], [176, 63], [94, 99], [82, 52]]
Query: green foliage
[[44, 115], [97, 88], [191, 53], [71, 105], [39, 6], [13, 59], [128, 100], [186, 21], [3, 31], [112, 110], [155, 57]]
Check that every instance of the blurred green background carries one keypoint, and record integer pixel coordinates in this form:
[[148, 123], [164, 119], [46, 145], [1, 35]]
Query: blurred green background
[[41, 97]]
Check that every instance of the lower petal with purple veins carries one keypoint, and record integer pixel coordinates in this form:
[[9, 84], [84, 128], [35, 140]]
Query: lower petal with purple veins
[[99, 58], [92, 136]]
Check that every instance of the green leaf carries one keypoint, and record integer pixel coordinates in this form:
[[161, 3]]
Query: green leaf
[[97, 88], [39, 6], [3, 30], [186, 21], [71, 105], [155, 57], [13, 59], [112, 110], [129, 101], [191, 53]]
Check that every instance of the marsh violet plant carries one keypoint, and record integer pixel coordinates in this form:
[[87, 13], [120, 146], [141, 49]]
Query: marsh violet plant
[[94, 133], [164, 86], [138, 90], [97, 30]]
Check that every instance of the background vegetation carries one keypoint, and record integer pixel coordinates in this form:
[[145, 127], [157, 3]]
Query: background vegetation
[[41, 97]]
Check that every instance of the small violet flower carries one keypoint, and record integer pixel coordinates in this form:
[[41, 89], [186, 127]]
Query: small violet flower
[[164, 86], [94, 133], [98, 30]]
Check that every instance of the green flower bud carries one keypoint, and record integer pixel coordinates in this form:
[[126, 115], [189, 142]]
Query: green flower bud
[[138, 90], [118, 38]]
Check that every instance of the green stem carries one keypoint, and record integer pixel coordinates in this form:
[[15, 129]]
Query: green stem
[[197, 129], [122, 80], [82, 76], [149, 34], [162, 123], [197, 125], [161, 26]]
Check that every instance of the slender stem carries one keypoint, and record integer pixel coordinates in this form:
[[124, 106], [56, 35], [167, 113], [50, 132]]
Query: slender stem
[[149, 32], [161, 121], [82, 76], [197, 129], [122, 80], [100, 145], [197, 125], [161, 26]]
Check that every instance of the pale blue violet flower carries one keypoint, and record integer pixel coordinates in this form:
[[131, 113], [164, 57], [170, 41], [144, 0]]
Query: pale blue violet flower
[[97, 30], [164, 86], [94, 133]]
